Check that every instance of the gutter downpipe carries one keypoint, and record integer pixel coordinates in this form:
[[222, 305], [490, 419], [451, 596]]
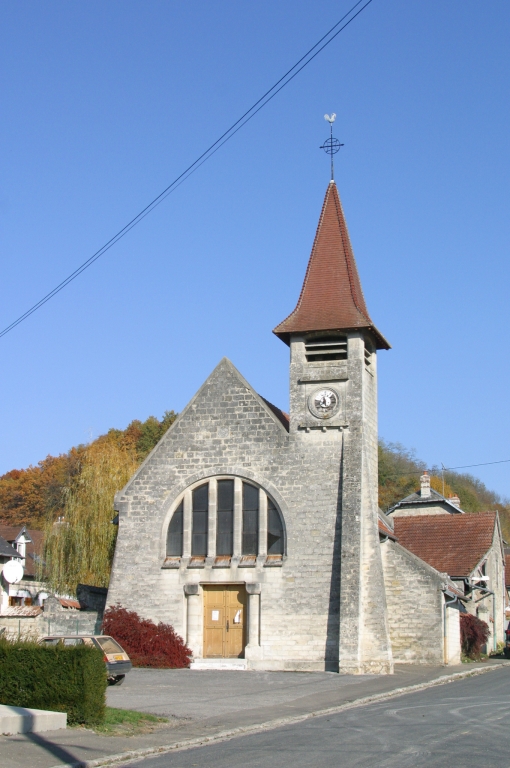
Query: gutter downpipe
[[446, 603]]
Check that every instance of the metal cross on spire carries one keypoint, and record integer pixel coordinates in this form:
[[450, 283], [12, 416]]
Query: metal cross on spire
[[331, 145]]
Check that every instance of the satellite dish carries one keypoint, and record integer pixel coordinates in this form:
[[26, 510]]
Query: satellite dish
[[13, 571]]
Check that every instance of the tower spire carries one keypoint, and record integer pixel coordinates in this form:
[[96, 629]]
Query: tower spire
[[331, 297]]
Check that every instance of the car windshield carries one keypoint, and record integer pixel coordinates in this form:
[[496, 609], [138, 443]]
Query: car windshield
[[109, 645]]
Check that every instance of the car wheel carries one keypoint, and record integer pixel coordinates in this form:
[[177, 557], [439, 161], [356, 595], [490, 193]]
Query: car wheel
[[116, 680]]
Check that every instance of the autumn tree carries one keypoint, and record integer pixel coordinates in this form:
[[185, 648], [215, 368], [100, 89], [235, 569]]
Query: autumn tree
[[79, 547]]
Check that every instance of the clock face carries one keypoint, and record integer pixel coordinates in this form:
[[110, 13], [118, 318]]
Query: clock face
[[324, 403]]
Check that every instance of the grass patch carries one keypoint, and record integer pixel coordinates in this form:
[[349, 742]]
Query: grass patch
[[128, 722]]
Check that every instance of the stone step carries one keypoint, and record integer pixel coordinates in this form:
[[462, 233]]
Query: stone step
[[198, 664], [25, 720]]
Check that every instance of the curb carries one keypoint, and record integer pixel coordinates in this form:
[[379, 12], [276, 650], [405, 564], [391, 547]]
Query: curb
[[200, 741]]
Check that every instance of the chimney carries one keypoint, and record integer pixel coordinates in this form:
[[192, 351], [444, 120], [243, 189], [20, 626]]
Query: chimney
[[425, 485], [454, 500]]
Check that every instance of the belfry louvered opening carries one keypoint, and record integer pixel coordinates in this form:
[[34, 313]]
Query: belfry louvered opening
[[325, 348]]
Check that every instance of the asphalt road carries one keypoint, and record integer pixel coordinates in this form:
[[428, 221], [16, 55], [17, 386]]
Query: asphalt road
[[460, 725]]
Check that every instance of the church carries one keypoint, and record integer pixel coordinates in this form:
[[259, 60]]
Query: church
[[256, 534]]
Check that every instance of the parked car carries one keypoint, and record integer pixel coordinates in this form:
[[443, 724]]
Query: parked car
[[116, 659]]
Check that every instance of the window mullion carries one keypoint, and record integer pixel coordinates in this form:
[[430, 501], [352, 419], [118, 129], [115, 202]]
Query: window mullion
[[262, 523], [238, 516], [213, 505], [187, 524]]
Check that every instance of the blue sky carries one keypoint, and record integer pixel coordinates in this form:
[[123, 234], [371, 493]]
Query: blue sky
[[104, 103]]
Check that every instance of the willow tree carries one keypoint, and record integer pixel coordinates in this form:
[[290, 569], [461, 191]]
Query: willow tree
[[79, 547]]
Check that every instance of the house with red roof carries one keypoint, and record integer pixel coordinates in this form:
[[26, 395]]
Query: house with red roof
[[434, 542]]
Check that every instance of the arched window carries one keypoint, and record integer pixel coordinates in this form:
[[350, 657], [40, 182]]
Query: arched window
[[225, 520], [275, 538], [250, 520], [244, 514], [174, 535], [200, 520]]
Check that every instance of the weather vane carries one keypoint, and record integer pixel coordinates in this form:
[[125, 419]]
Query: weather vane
[[331, 145]]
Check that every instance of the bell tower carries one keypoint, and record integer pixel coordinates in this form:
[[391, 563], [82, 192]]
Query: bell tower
[[333, 396]]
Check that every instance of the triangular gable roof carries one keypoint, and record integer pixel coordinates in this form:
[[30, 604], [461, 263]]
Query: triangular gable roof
[[452, 544], [225, 366], [385, 525], [6, 550], [24, 532], [34, 546], [416, 499], [331, 297]]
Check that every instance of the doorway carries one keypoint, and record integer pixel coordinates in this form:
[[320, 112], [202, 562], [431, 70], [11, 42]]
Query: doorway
[[224, 620]]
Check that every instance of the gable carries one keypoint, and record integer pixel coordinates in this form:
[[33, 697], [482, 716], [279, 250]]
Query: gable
[[226, 417]]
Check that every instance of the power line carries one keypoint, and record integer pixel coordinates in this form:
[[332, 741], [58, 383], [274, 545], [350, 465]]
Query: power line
[[437, 470], [226, 136], [485, 464]]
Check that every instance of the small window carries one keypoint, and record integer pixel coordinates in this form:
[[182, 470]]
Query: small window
[[368, 355], [225, 524], [324, 348], [174, 537], [250, 519], [274, 530], [200, 520]]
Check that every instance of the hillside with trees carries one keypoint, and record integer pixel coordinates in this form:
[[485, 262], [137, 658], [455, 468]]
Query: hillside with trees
[[70, 497], [399, 476]]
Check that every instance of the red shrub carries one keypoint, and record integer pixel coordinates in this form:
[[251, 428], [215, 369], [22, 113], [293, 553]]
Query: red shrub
[[147, 644], [473, 634]]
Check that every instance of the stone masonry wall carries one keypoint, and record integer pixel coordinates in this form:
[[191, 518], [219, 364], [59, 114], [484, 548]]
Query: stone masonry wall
[[415, 607], [65, 623], [228, 430]]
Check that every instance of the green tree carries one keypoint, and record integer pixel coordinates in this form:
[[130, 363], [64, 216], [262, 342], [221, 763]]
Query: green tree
[[79, 547]]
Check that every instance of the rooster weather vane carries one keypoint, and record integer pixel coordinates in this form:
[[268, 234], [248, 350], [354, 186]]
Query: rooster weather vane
[[331, 145]]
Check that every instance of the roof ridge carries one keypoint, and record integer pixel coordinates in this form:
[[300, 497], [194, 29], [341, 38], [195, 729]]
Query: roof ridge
[[349, 253]]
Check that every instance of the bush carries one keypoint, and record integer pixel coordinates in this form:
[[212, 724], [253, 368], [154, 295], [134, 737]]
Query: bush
[[59, 678], [473, 634], [147, 644]]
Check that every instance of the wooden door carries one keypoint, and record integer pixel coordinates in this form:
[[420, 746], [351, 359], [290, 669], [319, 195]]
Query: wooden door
[[224, 620]]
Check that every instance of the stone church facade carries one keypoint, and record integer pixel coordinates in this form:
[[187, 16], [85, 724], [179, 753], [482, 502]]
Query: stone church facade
[[256, 534]]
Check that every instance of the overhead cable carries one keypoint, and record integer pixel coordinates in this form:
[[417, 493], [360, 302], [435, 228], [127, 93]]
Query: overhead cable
[[226, 136]]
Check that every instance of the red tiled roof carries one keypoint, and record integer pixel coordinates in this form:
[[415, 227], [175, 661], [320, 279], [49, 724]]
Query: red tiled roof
[[331, 297], [452, 544], [507, 570], [25, 611], [9, 533], [67, 603], [283, 417], [385, 529]]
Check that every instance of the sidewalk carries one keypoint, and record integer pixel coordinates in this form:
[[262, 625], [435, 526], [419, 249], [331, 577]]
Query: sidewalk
[[202, 705]]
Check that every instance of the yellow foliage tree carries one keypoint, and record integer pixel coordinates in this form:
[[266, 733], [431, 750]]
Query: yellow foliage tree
[[79, 548], [437, 484]]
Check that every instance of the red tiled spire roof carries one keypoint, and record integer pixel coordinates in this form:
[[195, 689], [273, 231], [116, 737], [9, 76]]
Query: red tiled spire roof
[[331, 297]]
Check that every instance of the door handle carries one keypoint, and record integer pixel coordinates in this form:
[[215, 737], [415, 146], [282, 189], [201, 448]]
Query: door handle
[[227, 625]]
